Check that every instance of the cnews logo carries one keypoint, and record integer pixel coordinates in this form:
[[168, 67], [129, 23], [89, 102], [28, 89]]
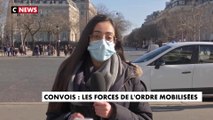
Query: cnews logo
[[24, 9]]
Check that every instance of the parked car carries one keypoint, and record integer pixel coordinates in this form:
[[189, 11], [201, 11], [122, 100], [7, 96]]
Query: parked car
[[183, 66]]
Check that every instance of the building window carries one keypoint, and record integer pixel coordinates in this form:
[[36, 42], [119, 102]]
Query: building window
[[82, 7], [33, 1], [45, 1], [27, 1], [60, 1], [182, 2], [38, 1], [82, 13], [21, 1]]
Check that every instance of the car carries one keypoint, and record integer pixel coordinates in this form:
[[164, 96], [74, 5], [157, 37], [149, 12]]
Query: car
[[181, 66]]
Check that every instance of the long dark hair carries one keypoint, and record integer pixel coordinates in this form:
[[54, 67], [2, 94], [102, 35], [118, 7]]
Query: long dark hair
[[80, 53]]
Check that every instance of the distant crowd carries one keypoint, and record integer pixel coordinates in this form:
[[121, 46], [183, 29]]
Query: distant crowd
[[38, 50]]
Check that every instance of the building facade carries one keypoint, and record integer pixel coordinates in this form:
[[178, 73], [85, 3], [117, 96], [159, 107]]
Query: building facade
[[186, 20], [174, 3], [87, 11], [56, 20]]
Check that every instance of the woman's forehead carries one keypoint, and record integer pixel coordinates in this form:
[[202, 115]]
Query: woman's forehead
[[104, 27]]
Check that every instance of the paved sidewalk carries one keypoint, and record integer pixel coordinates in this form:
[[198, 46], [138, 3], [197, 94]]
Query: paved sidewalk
[[34, 110], [37, 110], [23, 111]]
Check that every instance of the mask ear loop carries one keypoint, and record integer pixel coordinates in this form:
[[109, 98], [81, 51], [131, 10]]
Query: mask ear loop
[[115, 40]]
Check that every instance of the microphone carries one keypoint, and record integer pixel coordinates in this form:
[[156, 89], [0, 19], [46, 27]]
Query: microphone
[[97, 82]]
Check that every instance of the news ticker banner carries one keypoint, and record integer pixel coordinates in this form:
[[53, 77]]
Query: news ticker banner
[[111, 96]]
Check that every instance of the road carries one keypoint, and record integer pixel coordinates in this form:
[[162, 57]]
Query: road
[[23, 78], [182, 111]]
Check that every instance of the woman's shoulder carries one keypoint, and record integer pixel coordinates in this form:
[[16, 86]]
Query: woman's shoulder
[[133, 77], [133, 69]]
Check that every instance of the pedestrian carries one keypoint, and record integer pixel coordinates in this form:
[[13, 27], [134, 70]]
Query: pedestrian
[[12, 50], [40, 49], [70, 49], [21, 50], [48, 50], [99, 51], [5, 50], [65, 50], [36, 51], [8, 50]]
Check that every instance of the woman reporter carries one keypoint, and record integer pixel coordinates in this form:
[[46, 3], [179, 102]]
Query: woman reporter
[[99, 51]]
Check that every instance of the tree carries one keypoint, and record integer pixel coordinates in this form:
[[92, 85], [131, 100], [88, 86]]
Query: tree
[[21, 28], [3, 12], [29, 24], [131, 40], [58, 22], [48, 25], [122, 24], [191, 22], [102, 9], [1, 7], [74, 26], [1, 33]]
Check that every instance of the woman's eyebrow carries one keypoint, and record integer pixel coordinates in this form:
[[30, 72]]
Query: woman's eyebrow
[[96, 31], [108, 33]]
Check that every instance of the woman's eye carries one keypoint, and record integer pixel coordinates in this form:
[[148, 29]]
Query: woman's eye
[[97, 36], [109, 38]]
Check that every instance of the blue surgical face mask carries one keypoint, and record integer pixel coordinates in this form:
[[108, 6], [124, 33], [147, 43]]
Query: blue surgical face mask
[[101, 50]]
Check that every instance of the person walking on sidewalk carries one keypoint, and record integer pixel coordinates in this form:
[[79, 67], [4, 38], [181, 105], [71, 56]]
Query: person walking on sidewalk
[[8, 50], [99, 51]]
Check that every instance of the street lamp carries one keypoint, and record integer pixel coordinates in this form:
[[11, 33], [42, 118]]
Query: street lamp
[[58, 42]]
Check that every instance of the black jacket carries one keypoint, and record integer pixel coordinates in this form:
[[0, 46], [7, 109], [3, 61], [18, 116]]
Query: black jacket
[[121, 110]]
